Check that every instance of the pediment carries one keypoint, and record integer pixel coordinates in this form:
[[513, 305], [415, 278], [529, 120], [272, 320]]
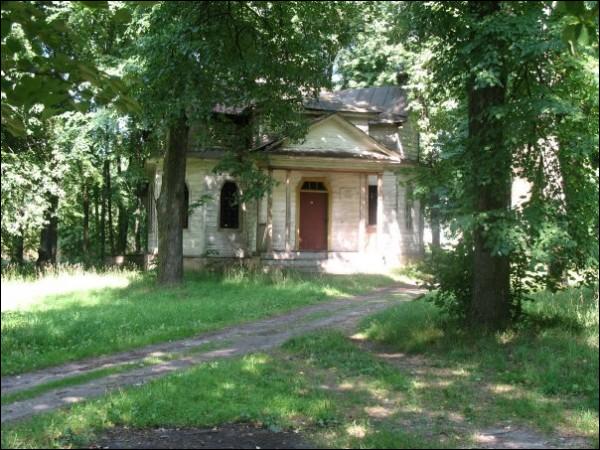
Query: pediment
[[335, 136]]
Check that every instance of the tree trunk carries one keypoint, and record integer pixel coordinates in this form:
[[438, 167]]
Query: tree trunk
[[122, 221], [137, 226], [103, 217], [18, 248], [123, 227], [108, 193], [170, 205], [49, 234], [96, 218], [490, 302], [435, 222], [86, 221]]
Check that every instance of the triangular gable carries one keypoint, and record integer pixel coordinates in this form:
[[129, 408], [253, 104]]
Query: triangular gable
[[333, 135]]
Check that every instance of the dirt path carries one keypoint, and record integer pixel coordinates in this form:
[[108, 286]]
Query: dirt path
[[233, 341]]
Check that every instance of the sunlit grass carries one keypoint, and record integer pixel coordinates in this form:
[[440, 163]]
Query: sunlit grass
[[43, 328], [288, 390], [543, 372], [343, 396], [542, 376], [20, 293]]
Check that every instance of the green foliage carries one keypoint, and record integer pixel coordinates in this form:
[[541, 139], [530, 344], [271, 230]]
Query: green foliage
[[549, 124], [65, 61], [452, 279], [254, 62], [65, 157], [45, 66], [581, 23], [373, 57]]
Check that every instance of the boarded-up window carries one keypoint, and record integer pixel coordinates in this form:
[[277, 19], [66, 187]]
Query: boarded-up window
[[230, 211], [372, 205], [185, 211]]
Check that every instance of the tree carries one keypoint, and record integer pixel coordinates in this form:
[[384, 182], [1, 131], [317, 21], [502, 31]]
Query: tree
[[503, 89], [44, 65], [56, 59], [194, 57]]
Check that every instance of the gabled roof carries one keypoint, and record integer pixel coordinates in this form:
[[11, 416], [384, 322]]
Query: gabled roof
[[334, 136], [387, 103], [382, 103]]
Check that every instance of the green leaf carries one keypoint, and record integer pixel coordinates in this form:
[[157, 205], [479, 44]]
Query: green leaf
[[575, 8], [582, 34], [12, 122], [95, 4], [122, 15], [143, 4], [569, 34]]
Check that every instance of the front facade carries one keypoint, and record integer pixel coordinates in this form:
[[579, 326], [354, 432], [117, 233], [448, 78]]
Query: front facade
[[340, 204]]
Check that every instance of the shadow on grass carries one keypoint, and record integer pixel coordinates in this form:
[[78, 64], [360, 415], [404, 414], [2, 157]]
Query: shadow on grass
[[277, 392], [326, 386], [101, 321], [545, 372], [443, 398]]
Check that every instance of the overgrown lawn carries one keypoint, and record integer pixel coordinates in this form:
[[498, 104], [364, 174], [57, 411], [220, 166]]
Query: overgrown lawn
[[409, 379], [67, 317], [543, 373]]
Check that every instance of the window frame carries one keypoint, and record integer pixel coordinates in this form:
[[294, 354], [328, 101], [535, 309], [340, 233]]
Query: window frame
[[236, 206], [185, 213], [372, 207]]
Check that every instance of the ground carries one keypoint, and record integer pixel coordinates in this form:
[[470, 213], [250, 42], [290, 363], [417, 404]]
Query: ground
[[73, 315], [227, 436], [351, 374]]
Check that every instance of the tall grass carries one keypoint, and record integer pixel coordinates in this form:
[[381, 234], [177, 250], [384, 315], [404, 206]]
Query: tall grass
[[72, 314]]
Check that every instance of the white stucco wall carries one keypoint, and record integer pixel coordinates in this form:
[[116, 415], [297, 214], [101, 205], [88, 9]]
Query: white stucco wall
[[391, 242], [203, 235]]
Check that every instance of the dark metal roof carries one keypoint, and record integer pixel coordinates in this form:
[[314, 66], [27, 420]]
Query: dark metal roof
[[383, 103], [388, 103]]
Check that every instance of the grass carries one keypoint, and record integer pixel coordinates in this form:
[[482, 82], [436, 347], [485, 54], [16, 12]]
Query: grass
[[293, 389], [67, 317], [542, 375], [101, 373]]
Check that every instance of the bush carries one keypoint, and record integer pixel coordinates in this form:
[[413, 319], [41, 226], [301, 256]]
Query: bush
[[452, 275]]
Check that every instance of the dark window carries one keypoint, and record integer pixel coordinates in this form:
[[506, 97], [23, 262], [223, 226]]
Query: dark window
[[372, 205], [185, 212], [230, 210], [313, 186], [408, 212]]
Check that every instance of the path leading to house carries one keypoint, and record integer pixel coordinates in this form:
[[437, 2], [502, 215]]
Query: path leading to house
[[234, 341]]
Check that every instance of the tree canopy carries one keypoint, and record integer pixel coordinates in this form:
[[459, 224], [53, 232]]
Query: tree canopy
[[500, 91]]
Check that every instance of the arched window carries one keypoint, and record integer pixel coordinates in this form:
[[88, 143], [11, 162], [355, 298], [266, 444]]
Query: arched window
[[230, 210], [185, 211]]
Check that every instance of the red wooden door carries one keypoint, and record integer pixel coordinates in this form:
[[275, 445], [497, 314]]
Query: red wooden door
[[313, 221]]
